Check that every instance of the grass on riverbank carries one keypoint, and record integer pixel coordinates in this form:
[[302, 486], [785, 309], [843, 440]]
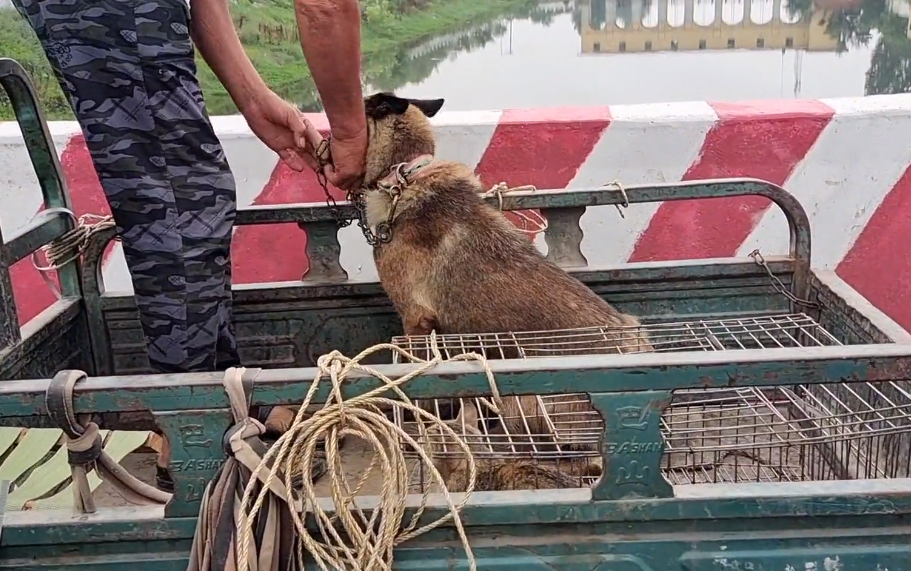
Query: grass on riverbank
[[269, 34]]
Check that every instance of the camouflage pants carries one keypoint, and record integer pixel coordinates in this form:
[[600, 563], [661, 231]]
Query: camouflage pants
[[127, 68]]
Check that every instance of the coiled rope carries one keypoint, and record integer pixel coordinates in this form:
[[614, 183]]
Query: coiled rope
[[370, 539], [71, 245]]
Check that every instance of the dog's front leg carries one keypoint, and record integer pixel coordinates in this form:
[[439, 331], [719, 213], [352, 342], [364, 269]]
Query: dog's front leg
[[421, 322]]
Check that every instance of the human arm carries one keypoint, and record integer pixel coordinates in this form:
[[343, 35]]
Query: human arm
[[213, 33], [330, 36], [276, 122]]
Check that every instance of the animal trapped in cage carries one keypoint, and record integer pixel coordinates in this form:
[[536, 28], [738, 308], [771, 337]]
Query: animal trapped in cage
[[455, 264], [498, 473]]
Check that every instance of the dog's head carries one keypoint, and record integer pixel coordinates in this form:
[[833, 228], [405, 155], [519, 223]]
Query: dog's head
[[398, 130]]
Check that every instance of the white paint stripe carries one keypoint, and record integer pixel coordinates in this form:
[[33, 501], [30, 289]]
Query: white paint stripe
[[252, 164], [467, 140], [251, 161], [464, 141], [10, 133], [20, 195], [231, 126], [467, 118], [844, 178], [114, 274], [643, 144]]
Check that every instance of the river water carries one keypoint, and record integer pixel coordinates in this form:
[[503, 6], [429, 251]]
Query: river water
[[602, 52]]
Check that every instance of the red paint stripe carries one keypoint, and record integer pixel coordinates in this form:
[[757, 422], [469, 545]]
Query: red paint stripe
[[878, 265], [277, 252], [764, 140], [31, 292], [542, 147]]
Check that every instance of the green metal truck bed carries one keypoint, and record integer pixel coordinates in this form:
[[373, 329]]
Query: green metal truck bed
[[767, 431]]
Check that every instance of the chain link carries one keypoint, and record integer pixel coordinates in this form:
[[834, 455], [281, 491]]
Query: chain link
[[354, 197], [357, 198], [778, 285], [323, 158]]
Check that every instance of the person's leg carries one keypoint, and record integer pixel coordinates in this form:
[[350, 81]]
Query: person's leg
[[128, 68]]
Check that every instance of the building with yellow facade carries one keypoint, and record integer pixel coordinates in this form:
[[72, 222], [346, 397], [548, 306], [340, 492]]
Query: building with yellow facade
[[618, 26]]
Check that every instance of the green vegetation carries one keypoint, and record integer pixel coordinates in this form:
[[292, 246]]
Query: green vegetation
[[269, 34], [855, 24]]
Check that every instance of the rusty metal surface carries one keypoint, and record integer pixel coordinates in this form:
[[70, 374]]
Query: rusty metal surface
[[24, 100]]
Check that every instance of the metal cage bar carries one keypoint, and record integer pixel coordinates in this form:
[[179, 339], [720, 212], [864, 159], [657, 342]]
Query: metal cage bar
[[723, 435]]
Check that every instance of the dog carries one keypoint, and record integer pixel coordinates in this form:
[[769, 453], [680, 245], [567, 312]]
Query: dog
[[455, 265], [498, 474]]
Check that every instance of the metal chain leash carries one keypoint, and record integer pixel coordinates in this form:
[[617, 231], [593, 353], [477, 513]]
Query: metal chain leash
[[778, 285], [323, 158], [354, 197]]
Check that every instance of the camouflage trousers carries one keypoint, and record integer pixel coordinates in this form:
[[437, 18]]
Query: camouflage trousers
[[127, 67]]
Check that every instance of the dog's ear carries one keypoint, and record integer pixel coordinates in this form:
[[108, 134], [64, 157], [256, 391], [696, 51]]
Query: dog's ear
[[381, 105], [429, 107]]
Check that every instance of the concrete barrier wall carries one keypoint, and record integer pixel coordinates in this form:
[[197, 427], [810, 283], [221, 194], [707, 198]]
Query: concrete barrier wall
[[847, 160]]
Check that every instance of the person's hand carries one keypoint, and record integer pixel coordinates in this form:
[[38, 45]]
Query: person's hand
[[282, 128], [349, 158]]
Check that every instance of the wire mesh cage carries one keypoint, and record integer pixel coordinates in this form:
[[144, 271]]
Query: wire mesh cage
[[800, 433], [757, 332], [752, 434]]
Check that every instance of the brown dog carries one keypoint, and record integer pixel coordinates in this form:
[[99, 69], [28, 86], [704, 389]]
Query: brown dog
[[455, 264], [496, 474]]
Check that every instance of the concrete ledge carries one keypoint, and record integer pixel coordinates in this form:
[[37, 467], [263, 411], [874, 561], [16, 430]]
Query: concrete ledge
[[845, 159]]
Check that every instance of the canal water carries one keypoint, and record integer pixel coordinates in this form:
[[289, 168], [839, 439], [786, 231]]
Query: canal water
[[598, 52]]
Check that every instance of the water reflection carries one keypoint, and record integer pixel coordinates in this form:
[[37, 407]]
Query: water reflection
[[684, 25], [669, 50], [653, 14], [415, 63], [639, 51]]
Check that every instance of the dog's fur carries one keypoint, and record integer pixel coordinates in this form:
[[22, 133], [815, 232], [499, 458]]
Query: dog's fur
[[455, 264], [497, 474]]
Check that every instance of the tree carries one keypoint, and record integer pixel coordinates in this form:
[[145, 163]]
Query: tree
[[577, 17], [890, 64]]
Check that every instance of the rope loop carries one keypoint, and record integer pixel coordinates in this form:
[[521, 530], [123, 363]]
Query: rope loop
[[533, 222], [69, 247], [349, 538]]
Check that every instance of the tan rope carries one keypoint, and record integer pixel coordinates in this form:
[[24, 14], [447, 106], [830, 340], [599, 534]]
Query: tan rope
[[70, 246], [371, 539], [536, 223]]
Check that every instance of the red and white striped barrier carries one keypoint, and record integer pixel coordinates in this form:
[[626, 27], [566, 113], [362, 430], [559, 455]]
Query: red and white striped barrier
[[847, 160]]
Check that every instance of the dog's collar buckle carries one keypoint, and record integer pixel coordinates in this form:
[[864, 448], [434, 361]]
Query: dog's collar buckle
[[403, 174]]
